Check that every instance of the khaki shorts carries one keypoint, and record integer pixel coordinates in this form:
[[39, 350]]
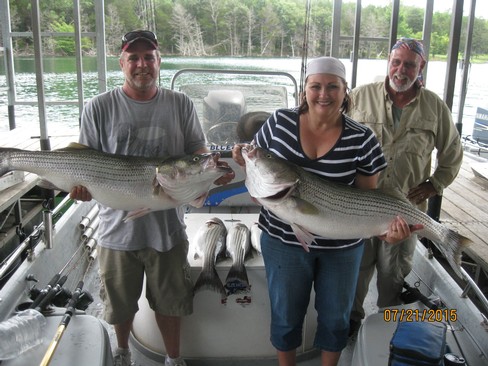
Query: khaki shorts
[[169, 288]]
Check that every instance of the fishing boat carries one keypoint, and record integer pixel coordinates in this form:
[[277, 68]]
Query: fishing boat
[[61, 250], [477, 142]]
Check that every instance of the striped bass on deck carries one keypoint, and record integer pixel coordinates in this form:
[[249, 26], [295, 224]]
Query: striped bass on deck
[[209, 244], [315, 206], [238, 244], [136, 184]]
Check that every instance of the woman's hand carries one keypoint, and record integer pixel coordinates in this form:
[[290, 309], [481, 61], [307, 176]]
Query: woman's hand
[[237, 154], [399, 230], [80, 193]]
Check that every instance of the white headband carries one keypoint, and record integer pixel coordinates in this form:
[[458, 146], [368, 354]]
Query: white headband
[[326, 65]]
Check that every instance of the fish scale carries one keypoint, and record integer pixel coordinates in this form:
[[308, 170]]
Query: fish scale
[[129, 183], [314, 206], [371, 205]]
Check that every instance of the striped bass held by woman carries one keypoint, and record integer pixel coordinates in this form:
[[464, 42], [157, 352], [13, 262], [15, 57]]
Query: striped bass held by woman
[[317, 207]]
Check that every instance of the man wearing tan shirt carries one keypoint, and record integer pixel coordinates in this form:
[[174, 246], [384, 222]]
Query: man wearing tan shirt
[[409, 122]]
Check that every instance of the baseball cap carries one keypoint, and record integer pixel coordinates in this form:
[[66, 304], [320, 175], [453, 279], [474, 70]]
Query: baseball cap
[[136, 35]]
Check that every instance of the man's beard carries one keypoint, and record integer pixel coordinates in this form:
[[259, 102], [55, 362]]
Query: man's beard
[[401, 88], [142, 84]]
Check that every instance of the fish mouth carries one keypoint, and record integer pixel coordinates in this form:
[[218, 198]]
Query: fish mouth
[[210, 160], [213, 162]]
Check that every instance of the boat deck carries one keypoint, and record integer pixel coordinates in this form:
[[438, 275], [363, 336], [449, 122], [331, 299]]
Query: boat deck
[[464, 208]]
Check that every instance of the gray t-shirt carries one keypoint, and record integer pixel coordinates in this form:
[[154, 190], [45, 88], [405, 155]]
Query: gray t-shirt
[[166, 125]]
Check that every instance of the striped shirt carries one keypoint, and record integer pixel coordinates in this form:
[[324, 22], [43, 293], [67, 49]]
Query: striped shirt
[[356, 151]]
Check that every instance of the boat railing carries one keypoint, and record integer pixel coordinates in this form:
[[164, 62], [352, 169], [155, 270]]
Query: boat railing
[[471, 285], [474, 145], [37, 232]]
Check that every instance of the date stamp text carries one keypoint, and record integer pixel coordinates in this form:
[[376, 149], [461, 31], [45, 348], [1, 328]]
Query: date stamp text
[[419, 315]]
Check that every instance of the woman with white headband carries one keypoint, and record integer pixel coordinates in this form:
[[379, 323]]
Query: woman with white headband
[[319, 137]]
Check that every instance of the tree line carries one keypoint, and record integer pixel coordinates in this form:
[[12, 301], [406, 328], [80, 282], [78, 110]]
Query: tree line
[[268, 28]]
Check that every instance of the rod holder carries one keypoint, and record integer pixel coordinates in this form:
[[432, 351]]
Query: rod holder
[[47, 217]]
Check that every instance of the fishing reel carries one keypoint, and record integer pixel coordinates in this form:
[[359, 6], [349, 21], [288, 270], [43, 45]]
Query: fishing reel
[[413, 294], [62, 297], [84, 300]]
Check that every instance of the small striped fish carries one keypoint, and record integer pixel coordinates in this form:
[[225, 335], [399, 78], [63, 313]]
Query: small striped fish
[[209, 244], [238, 245]]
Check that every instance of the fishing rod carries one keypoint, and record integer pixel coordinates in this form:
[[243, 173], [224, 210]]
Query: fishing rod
[[43, 298], [47, 290], [306, 31], [70, 310], [48, 293], [78, 296]]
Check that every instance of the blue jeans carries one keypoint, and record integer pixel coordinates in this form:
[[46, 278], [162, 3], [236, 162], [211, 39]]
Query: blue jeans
[[291, 272]]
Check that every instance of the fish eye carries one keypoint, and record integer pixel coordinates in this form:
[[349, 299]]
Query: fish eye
[[196, 158]]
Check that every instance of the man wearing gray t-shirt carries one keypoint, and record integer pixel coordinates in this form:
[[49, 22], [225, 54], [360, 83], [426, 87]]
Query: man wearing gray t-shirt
[[142, 119]]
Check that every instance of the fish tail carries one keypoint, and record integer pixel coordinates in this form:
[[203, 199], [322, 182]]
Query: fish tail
[[237, 281], [209, 280], [452, 247]]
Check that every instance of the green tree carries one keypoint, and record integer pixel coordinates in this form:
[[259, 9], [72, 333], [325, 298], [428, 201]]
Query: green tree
[[235, 27], [64, 45], [438, 44]]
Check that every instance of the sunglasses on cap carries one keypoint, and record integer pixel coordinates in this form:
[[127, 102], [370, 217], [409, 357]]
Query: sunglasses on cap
[[133, 36]]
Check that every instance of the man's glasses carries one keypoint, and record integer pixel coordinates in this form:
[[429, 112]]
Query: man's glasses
[[131, 36]]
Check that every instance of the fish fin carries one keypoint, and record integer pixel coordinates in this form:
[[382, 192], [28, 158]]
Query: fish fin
[[48, 185], [395, 193], [161, 180], [199, 201], [303, 236], [75, 146], [209, 280], [157, 189], [305, 207], [452, 249], [237, 281], [136, 214]]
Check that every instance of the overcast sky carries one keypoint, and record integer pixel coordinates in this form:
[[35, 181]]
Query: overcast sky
[[439, 5]]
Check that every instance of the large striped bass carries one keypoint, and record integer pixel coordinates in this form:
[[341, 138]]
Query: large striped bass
[[314, 206], [136, 184]]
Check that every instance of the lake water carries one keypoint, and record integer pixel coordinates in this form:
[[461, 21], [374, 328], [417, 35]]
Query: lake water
[[61, 84]]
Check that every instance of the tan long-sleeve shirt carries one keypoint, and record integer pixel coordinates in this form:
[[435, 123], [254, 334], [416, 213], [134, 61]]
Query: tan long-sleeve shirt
[[425, 126]]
